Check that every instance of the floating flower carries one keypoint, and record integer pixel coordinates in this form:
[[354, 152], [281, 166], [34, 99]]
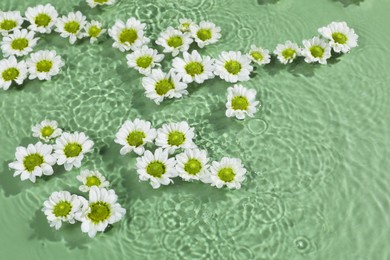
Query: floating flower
[[159, 85], [287, 52], [134, 135], [44, 64], [156, 168], [233, 66], [47, 130], [71, 26], [259, 55], [175, 135], [61, 207], [94, 3], [228, 172], [33, 161], [192, 164], [185, 24], [205, 33], [20, 43], [144, 59], [101, 210], [41, 18], [12, 70], [94, 30], [10, 21], [194, 67], [316, 50], [129, 35], [69, 149], [241, 101], [91, 179], [341, 37], [174, 41]]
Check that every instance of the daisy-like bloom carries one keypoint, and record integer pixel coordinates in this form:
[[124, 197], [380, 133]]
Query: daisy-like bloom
[[133, 135], [94, 30], [341, 37], [185, 24], [259, 55], [41, 18], [233, 66], [316, 50], [192, 164], [71, 26], [100, 211], [159, 85], [33, 161], [129, 35], [12, 70], [61, 207], [47, 130], [93, 3], [287, 52], [44, 64], [20, 43], [69, 149], [194, 67], [156, 168], [10, 21], [91, 179], [205, 33], [240, 102], [144, 59], [174, 41], [175, 135], [228, 172]]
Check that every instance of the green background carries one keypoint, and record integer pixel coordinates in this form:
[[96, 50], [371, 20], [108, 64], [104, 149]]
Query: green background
[[317, 152]]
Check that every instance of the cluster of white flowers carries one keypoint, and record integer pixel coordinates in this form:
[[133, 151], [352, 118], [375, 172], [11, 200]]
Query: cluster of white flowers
[[176, 155]]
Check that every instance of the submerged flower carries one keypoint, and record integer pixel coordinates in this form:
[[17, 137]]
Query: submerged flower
[[316, 50], [193, 67], [129, 35], [46, 130], [61, 207], [33, 161], [174, 41], [233, 66], [44, 64], [94, 3], [240, 102], [134, 135], [228, 172], [192, 164], [156, 168], [70, 149], [259, 55], [173, 136], [184, 24], [41, 18], [12, 70], [144, 59], [20, 43], [287, 52], [94, 30], [10, 21], [205, 33], [341, 37], [91, 179], [71, 26]]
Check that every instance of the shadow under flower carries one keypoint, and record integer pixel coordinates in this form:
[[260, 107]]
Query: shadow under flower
[[266, 2], [347, 3]]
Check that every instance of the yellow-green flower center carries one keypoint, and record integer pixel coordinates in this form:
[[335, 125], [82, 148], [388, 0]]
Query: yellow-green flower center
[[128, 36], [19, 44], [32, 160], [72, 149], [42, 20], [136, 138], [240, 103], [47, 131], [193, 166], [100, 211], [8, 24], [176, 138], [185, 27], [94, 31], [92, 181], [72, 27], [100, 1], [10, 74], [289, 54], [144, 61], [62, 209], [156, 169], [339, 37], [194, 68], [233, 67], [204, 34], [163, 86], [44, 65], [226, 174], [317, 51], [257, 55], [175, 41]]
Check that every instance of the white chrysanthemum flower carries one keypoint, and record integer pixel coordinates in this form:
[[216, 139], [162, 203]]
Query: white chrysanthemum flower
[[134, 135], [144, 59], [46, 130], [159, 85], [12, 70], [94, 3], [193, 67], [44, 64], [71, 26], [42, 18], [100, 211], [228, 172], [174, 41], [233, 66], [192, 164], [129, 35], [10, 21], [341, 37], [20, 43], [185, 24], [259, 55], [205, 33], [156, 168], [69, 149], [33, 161], [91, 179], [316, 50], [174, 136], [94, 30], [61, 207], [241, 102], [287, 52]]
